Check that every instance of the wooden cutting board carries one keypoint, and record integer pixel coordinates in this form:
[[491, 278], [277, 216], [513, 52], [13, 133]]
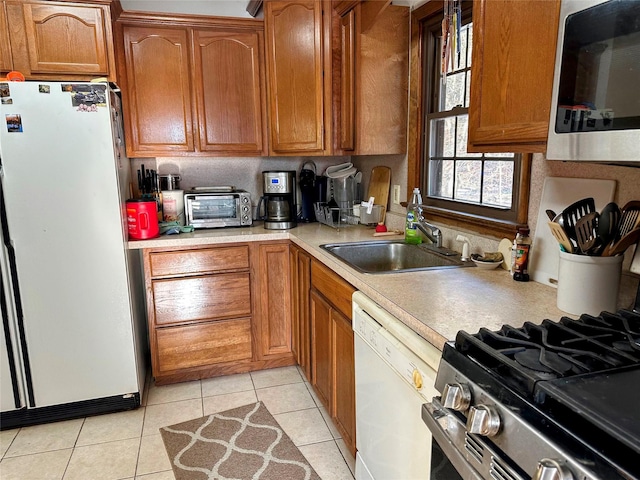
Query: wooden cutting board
[[379, 184]]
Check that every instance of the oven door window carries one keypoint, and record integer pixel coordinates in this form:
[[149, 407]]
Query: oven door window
[[600, 70], [215, 208], [441, 466]]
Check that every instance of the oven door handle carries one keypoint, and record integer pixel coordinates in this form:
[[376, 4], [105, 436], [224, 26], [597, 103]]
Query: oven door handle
[[431, 413]]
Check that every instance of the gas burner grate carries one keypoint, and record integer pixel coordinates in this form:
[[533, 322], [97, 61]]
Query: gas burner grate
[[567, 348]]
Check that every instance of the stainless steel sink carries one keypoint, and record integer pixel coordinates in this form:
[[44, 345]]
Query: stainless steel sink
[[394, 256]]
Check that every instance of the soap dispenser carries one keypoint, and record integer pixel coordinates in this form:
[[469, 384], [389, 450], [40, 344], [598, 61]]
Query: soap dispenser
[[465, 248]]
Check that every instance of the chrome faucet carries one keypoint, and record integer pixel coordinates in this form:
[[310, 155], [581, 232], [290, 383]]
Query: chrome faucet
[[432, 232]]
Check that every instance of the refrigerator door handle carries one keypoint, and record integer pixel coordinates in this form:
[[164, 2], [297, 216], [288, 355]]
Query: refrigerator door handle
[[12, 318]]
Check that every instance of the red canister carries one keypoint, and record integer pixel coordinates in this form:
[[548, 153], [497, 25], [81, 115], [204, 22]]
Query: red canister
[[142, 219]]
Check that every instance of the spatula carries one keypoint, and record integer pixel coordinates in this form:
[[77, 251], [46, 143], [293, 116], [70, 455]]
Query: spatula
[[630, 218], [573, 212], [586, 232], [561, 236]]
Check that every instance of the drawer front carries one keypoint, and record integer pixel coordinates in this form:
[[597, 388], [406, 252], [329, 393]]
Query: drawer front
[[199, 261], [205, 344], [334, 288], [226, 295]]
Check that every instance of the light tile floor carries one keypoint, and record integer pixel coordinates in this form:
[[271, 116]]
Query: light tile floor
[[128, 446]]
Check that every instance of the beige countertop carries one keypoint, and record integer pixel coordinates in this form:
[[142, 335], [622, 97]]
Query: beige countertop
[[435, 303]]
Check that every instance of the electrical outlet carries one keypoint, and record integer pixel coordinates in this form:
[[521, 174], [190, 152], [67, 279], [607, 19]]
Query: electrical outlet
[[396, 194]]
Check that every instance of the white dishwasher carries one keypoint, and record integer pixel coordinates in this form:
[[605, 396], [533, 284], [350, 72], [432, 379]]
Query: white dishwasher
[[395, 373]]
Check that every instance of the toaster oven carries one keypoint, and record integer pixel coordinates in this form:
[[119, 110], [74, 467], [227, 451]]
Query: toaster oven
[[216, 208]]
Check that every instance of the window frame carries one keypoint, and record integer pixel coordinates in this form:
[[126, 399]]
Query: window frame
[[476, 218]]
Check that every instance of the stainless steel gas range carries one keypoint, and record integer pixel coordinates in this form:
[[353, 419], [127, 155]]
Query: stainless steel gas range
[[558, 400]]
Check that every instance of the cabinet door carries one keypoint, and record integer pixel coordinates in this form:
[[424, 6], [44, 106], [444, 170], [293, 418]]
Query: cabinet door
[[347, 81], [344, 398], [68, 38], [382, 74], [294, 253], [514, 46], [294, 51], [301, 321], [275, 299], [321, 370], [6, 63], [230, 89], [304, 309], [157, 91]]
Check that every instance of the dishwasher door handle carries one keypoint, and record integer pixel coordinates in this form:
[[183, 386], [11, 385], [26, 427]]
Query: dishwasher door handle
[[432, 414]]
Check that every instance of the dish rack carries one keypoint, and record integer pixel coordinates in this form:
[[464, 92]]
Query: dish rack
[[335, 216]]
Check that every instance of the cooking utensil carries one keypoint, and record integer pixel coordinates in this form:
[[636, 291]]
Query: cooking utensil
[[573, 212], [379, 184], [586, 232], [608, 222], [551, 214], [629, 220], [621, 245], [561, 236], [388, 233]]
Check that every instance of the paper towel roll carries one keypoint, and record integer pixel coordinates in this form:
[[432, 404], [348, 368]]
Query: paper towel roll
[[173, 206]]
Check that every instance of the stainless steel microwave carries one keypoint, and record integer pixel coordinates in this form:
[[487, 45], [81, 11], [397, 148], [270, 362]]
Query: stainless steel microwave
[[595, 109], [216, 209]]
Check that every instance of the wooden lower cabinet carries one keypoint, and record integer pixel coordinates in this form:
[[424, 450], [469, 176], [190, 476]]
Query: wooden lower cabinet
[[275, 299], [300, 308], [344, 378], [332, 349], [218, 309], [321, 355], [209, 343]]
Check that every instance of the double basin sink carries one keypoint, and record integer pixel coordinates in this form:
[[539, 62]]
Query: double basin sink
[[394, 256]]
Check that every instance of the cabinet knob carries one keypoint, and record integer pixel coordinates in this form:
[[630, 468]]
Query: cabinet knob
[[456, 396], [483, 420]]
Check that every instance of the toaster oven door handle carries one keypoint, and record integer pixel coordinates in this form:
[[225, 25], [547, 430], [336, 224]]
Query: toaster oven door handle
[[432, 413]]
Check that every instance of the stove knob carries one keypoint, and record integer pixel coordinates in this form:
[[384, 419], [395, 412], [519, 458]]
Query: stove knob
[[483, 420], [456, 396], [549, 469]]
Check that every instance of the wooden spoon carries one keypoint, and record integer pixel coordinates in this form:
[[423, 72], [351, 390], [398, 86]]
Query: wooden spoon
[[621, 245]]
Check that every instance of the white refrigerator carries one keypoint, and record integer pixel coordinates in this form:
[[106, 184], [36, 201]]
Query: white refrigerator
[[74, 339]]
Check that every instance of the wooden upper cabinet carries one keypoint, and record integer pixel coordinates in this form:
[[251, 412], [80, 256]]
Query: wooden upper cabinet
[[229, 83], [298, 65], [157, 91], [58, 40], [374, 71], [194, 85], [6, 61], [514, 47], [347, 132]]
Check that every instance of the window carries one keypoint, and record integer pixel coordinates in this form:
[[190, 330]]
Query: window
[[484, 189]]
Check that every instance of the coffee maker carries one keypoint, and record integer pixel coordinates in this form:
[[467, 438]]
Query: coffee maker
[[280, 209]]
